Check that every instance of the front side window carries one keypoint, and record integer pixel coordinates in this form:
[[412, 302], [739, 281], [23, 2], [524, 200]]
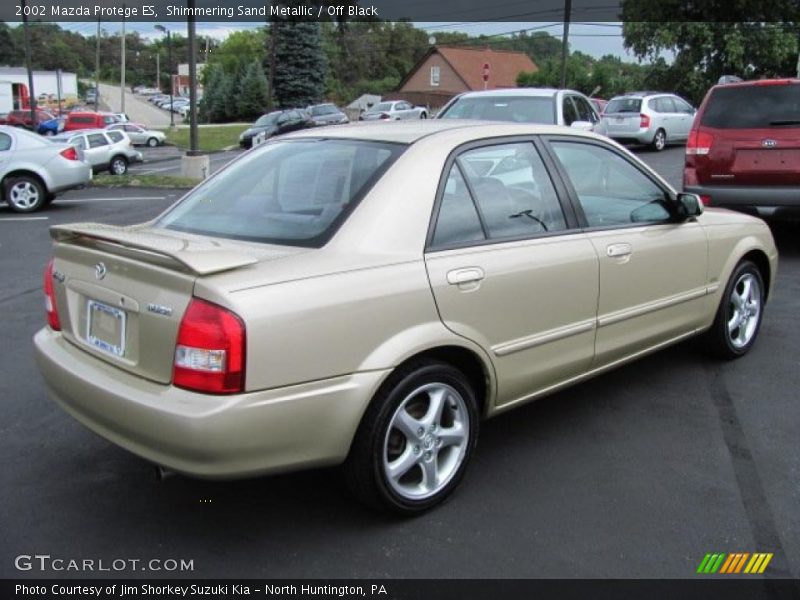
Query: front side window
[[611, 191], [295, 193], [585, 112], [5, 142], [569, 112]]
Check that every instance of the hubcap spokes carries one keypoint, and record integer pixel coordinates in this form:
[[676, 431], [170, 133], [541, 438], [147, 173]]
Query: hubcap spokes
[[745, 304], [24, 195], [426, 441]]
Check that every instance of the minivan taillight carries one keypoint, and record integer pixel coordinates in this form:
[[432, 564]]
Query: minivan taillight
[[699, 142], [69, 153], [644, 121], [210, 350], [50, 299]]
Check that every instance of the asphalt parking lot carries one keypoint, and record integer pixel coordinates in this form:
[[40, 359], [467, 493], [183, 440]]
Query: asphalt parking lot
[[637, 473]]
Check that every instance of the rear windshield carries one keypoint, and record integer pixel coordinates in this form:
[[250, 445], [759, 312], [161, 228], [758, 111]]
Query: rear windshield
[[324, 109], [517, 109], [753, 107], [291, 192], [624, 105]]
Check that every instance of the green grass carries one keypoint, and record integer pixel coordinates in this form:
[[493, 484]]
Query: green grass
[[209, 139], [150, 181]]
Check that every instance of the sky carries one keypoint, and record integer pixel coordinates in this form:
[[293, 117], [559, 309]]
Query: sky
[[595, 39]]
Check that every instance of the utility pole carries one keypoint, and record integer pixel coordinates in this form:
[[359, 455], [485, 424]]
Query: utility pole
[[565, 42], [158, 69], [192, 81], [31, 93], [97, 68], [163, 29], [122, 68], [273, 34]]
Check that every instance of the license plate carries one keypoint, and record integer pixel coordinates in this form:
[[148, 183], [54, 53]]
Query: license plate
[[620, 119], [106, 327]]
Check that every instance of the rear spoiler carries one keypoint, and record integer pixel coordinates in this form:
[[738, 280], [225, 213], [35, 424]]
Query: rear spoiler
[[197, 256]]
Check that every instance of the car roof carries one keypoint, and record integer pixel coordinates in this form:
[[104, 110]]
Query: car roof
[[759, 82], [408, 132], [530, 92]]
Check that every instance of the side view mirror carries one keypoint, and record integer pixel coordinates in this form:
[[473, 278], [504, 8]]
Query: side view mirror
[[582, 125], [689, 205]]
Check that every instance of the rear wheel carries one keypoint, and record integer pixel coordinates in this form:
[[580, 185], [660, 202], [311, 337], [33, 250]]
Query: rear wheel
[[415, 440], [659, 141], [24, 193], [119, 165], [152, 142], [738, 318]]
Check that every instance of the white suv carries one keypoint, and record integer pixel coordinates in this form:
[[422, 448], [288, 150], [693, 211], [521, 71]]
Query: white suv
[[103, 149], [548, 106]]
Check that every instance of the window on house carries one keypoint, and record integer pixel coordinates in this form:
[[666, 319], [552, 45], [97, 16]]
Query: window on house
[[435, 75]]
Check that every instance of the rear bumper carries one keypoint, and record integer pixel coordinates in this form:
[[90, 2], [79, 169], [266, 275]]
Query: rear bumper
[[207, 436], [764, 202], [69, 176]]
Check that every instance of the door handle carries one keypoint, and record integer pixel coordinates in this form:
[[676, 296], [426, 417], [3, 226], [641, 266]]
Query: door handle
[[618, 250], [466, 275]]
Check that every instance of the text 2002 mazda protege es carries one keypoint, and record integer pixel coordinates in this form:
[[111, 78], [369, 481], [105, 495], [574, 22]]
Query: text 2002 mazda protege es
[[366, 295]]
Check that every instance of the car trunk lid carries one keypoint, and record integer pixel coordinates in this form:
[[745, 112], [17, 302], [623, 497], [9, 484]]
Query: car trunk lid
[[622, 116]]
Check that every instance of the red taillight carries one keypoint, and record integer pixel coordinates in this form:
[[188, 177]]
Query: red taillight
[[69, 153], [644, 121], [699, 142], [705, 199], [50, 299], [210, 351]]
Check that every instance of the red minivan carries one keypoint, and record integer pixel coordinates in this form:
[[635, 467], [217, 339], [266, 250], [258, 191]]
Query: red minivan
[[743, 150], [88, 120]]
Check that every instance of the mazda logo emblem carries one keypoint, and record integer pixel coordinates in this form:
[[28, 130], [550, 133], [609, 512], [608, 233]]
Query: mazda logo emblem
[[99, 270], [769, 143]]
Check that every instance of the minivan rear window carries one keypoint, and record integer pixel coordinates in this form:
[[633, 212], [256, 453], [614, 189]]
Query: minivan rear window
[[290, 192], [753, 107], [624, 105]]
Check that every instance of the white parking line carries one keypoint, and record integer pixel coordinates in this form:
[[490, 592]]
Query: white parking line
[[23, 219], [82, 200]]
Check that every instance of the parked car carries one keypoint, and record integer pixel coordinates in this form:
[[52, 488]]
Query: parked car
[[548, 106], [77, 120], [275, 123], [326, 114], [122, 117], [105, 150], [22, 118], [33, 169], [650, 118], [296, 310], [396, 110], [158, 98], [91, 96], [139, 134], [744, 148]]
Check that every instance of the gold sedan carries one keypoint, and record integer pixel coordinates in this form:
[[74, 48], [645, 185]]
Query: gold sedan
[[367, 294]]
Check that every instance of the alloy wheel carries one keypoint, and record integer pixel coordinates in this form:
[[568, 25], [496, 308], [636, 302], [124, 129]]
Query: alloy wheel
[[23, 195], [745, 310]]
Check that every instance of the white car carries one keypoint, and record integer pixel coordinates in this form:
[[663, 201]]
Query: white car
[[140, 135], [104, 150], [548, 106], [395, 110]]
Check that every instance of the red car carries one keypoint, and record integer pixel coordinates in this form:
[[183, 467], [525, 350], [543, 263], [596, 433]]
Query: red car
[[89, 120], [743, 150], [22, 118]]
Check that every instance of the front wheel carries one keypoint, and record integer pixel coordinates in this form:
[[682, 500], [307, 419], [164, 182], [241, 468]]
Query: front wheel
[[119, 165], [152, 142], [415, 440], [738, 318], [423, 115]]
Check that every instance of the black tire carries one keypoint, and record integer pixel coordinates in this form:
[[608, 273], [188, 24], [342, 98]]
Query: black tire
[[152, 142], [423, 115], [659, 141], [365, 466], [721, 340], [24, 193], [118, 165]]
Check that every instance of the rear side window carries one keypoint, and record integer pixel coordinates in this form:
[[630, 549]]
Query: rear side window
[[516, 109], [624, 105], [295, 193], [753, 107]]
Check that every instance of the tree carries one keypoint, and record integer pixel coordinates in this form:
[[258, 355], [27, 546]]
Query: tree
[[252, 92], [300, 63], [9, 52], [757, 39]]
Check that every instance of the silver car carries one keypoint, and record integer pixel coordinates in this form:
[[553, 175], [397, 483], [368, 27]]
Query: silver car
[[396, 110], [650, 118], [105, 150], [34, 169], [548, 106], [140, 135]]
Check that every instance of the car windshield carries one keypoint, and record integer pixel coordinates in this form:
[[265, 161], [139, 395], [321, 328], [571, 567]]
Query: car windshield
[[767, 106], [290, 192], [269, 119], [624, 105], [323, 109], [517, 109]]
